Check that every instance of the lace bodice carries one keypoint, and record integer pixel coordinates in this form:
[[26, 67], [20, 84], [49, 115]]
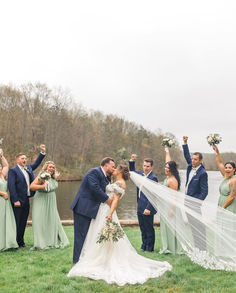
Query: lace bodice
[[115, 188]]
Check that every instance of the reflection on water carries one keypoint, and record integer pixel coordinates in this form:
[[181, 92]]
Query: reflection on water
[[127, 208]]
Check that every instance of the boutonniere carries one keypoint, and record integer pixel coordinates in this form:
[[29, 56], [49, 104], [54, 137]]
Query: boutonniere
[[26, 169]]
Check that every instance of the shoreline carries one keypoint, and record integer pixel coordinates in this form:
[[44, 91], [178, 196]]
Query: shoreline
[[126, 223]]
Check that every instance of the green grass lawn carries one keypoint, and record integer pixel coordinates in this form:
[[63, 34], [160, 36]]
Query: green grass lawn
[[45, 271]]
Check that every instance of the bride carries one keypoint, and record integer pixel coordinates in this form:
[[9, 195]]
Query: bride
[[114, 262]]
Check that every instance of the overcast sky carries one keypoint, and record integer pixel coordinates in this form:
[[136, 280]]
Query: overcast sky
[[168, 65]]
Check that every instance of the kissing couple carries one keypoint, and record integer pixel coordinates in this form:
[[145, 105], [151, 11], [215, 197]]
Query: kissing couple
[[94, 204]]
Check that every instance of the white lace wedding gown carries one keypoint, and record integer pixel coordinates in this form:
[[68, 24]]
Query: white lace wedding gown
[[114, 262]]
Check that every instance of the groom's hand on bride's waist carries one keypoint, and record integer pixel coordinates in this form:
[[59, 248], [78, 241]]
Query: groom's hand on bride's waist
[[109, 201]]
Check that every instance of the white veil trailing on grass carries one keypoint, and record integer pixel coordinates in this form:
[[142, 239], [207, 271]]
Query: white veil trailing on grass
[[208, 239]]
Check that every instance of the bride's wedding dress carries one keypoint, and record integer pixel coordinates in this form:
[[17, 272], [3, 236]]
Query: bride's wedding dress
[[114, 262]]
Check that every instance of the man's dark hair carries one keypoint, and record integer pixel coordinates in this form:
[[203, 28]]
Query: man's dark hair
[[149, 160], [106, 161], [199, 155], [19, 155]]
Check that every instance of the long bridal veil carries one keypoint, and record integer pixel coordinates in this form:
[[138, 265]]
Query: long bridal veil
[[208, 238]]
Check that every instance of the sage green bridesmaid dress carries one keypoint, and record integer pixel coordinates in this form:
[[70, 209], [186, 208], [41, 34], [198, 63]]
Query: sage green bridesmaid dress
[[226, 227], [47, 228], [224, 193], [7, 221], [169, 242]]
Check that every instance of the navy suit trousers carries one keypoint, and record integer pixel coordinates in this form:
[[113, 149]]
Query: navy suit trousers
[[147, 231], [81, 226], [21, 216]]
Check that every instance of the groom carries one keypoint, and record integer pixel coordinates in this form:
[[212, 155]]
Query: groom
[[87, 201]]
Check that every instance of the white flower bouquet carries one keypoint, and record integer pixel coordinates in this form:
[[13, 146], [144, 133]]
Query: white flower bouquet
[[111, 232], [213, 139], [168, 142], [44, 175]]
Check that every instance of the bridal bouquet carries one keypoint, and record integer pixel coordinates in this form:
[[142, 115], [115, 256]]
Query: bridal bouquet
[[213, 139], [111, 232], [168, 141]]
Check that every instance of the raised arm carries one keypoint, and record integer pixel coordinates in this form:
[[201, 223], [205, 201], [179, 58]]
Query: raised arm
[[132, 162], [168, 157], [219, 160], [40, 157], [231, 197], [5, 166], [186, 150]]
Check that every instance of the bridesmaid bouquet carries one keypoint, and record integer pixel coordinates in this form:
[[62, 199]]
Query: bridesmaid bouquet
[[213, 139], [168, 142], [44, 175], [111, 232]]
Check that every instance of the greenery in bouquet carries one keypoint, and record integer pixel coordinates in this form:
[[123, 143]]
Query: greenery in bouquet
[[168, 142], [213, 139], [111, 232]]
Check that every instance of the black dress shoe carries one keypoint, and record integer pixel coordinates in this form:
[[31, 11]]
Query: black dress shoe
[[23, 245]]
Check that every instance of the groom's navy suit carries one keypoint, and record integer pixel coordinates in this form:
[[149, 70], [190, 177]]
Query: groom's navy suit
[[86, 204], [197, 188], [145, 221], [18, 189]]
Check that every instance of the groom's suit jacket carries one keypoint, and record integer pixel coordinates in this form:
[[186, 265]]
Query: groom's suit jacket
[[91, 193], [17, 184], [198, 186], [143, 202]]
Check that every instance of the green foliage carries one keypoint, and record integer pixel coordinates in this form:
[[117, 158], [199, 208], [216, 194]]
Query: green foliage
[[76, 139], [46, 271]]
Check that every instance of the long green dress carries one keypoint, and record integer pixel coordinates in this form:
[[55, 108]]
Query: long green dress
[[47, 228], [169, 242], [7, 221], [224, 193], [227, 228]]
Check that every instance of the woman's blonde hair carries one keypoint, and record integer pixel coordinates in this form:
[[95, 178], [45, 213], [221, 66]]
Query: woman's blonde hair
[[56, 174]]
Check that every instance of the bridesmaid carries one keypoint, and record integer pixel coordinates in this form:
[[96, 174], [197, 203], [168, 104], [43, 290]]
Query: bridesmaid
[[7, 219], [228, 186], [170, 244], [47, 228]]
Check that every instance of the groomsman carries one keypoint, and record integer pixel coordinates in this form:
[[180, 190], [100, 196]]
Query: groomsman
[[145, 210], [19, 179], [197, 187]]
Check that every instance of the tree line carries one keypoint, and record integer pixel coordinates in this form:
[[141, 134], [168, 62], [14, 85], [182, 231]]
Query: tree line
[[76, 139]]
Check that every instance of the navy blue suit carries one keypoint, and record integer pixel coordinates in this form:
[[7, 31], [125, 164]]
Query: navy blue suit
[[145, 221], [18, 192], [86, 204], [197, 188]]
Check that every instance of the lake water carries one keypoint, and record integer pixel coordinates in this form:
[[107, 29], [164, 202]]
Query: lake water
[[128, 205]]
